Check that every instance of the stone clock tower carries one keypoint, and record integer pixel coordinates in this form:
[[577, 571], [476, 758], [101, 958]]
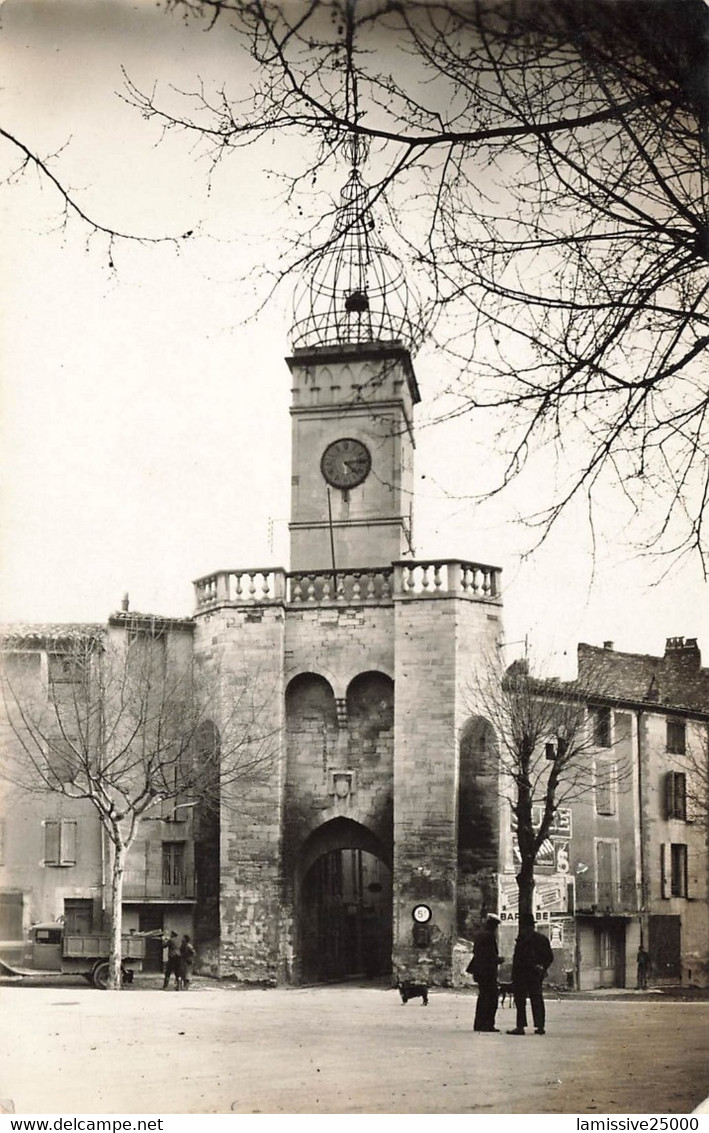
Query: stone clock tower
[[368, 841], [353, 396], [353, 444]]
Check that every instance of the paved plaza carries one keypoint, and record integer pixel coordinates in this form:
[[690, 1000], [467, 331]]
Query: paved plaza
[[68, 1049]]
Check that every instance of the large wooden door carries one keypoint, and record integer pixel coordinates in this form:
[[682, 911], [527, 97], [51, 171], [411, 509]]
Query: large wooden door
[[665, 948], [346, 916]]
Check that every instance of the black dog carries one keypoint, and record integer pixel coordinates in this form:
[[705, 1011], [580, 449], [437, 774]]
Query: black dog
[[410, 990], [505, 990]]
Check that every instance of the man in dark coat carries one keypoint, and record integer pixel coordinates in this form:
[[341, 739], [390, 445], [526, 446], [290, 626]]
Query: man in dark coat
[[483, 967], [172, 962], [531, 960]]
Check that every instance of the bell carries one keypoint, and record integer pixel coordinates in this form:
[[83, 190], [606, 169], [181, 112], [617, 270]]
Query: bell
[[357, 301]]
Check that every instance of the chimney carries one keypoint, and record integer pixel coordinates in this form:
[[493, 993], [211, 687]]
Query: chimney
[[672, 644], [125, 602], [686, 653]]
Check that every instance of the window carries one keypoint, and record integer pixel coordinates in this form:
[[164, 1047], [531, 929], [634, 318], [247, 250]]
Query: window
[[606, 778], [676, 795], [673, 868], [173, 864], [66, 668], [147, 651], [676, 737], [606, 948], [607, 873], [67, 678], [48, 935], [62, 760], [60, 842], [602, 727]]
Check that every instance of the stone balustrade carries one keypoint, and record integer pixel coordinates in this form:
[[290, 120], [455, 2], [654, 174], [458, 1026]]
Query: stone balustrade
[[407, 579], [444, 577], [365, 585], [236, 587]]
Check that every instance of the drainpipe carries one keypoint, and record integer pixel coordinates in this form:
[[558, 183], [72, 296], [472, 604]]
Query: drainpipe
[[103, 877], [642, 888]]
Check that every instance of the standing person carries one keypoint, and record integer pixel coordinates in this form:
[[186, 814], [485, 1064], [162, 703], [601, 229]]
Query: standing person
[[531, 960], [186, 962], [172, 960], [483, 967], [643, 962]]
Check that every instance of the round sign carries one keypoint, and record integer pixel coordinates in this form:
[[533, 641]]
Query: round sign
[[421, 914]]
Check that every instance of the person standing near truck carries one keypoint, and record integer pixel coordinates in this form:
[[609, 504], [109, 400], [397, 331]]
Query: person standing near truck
[[643, 962], [172, 960], [186, 962]]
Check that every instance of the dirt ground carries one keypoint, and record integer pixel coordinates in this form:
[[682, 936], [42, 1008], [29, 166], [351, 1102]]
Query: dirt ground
[[67, 1049]]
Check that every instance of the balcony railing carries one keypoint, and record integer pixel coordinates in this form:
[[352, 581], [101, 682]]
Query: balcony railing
[[602, 898], [140, 884], [409, 579]]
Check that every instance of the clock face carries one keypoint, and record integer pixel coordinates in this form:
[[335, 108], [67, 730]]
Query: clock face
[[421, 914], [346, 463]]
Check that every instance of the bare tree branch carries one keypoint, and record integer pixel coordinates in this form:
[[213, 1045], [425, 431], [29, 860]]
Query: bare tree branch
[[545, 163]]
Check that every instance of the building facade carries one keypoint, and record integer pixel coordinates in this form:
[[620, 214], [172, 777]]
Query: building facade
[[625, 865], [656, 719]]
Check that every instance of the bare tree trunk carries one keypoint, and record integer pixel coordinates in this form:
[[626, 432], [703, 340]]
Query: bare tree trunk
[[525, 837], [525, 884], [114, 961]]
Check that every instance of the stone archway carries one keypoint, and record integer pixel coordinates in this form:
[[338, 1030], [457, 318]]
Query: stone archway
[[344, 904], [478, 823]]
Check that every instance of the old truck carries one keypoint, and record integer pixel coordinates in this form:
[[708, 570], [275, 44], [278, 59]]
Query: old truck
[[50, 950]]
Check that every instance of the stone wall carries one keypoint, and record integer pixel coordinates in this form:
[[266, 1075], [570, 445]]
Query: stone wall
[[441, 644], [243, 650]]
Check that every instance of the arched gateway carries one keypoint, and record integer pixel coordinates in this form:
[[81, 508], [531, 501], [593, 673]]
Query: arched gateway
[[344, 903]]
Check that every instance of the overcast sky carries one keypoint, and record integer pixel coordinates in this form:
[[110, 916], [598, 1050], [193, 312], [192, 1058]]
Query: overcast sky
[[145, 424]]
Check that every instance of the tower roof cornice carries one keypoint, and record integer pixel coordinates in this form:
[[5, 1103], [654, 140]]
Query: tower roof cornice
[[372, 351]]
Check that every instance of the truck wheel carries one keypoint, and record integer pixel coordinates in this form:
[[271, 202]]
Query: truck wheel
[[99, 975]]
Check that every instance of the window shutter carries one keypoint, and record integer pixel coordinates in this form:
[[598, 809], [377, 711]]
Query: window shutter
[[2, 841], [68, 842], [680, 791], [605, 787], [51, 843], [675, 795], [669, 794], [696, 886], [665, 868]]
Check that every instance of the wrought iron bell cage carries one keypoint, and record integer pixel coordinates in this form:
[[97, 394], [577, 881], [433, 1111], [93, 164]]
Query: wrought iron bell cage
[[353, 289]]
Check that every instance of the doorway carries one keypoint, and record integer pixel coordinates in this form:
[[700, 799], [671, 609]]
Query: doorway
[[150, 919], [610, 952], [346, 909], [345, 906], [665, 948]]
